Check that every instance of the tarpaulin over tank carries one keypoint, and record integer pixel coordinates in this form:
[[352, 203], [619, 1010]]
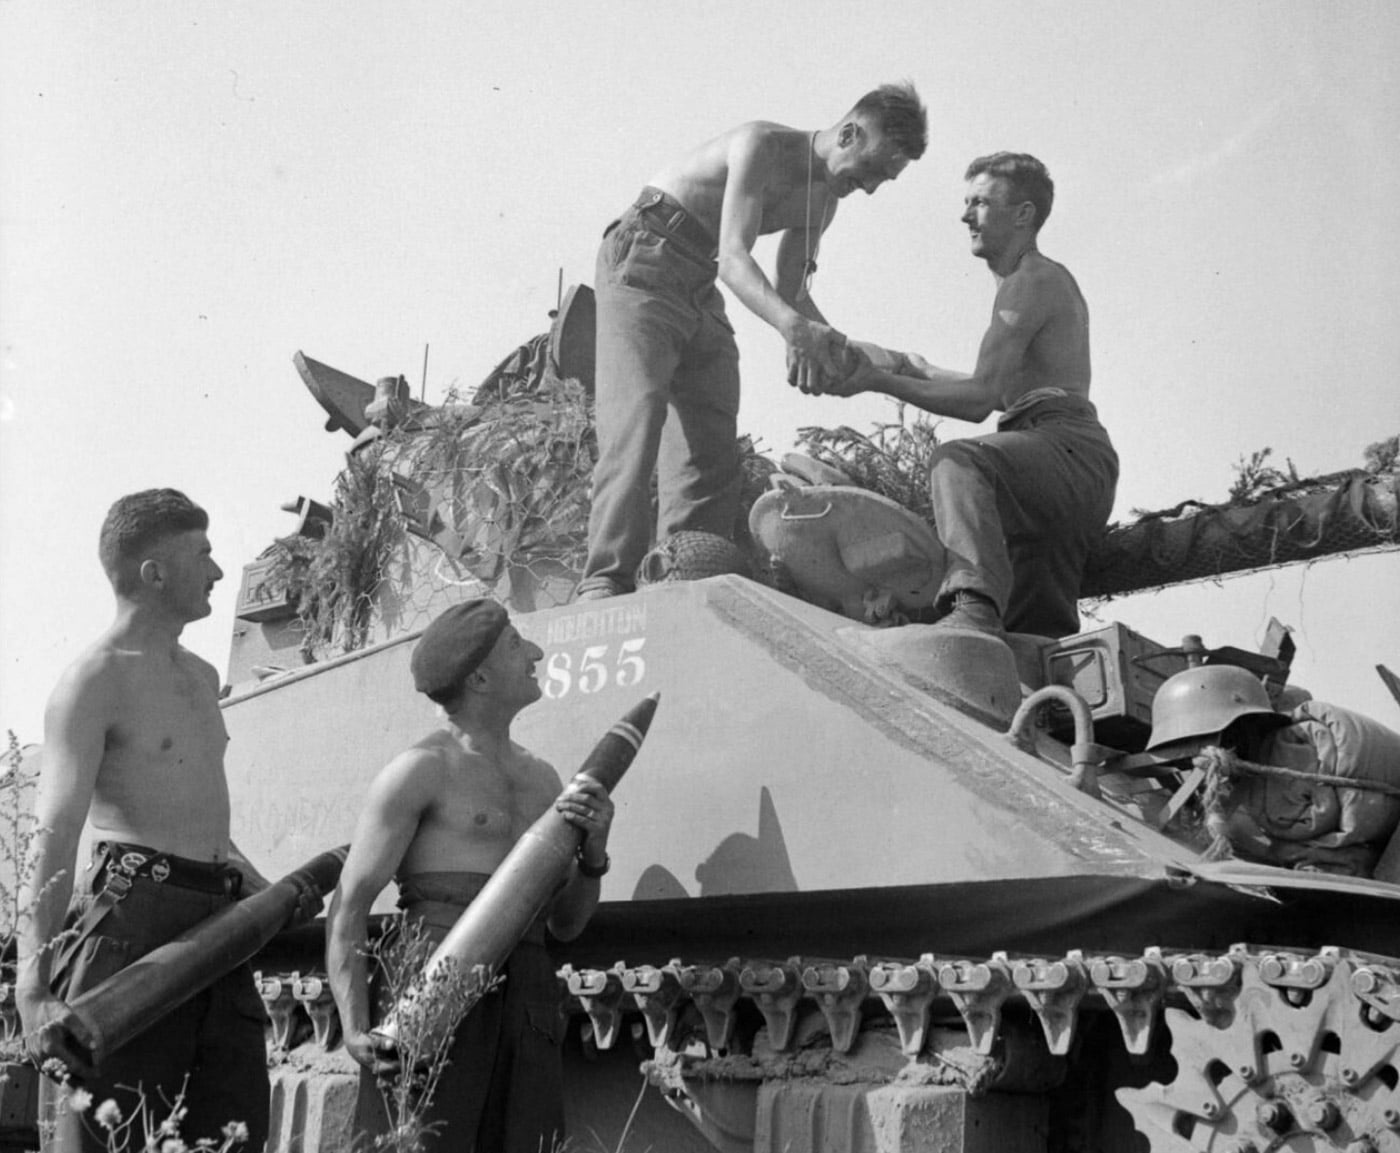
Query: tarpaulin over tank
[[1048, 916]]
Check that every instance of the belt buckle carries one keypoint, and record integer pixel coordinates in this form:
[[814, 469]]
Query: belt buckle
[[130, 862], [160, 871]]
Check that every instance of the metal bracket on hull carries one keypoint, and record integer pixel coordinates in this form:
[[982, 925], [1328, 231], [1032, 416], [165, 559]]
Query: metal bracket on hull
[[979, 989], [715, 991], [600, 993], [908, 992], [281, 1006], [1053, 989], [658, 994], [1134, 988], [313, 994], [776, 988], [839, 990]]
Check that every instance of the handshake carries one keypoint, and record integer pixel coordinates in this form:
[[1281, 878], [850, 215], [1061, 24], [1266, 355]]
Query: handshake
[[822, 362]]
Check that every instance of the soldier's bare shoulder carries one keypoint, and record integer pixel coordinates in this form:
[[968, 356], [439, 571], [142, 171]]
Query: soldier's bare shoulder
[[436, 751], [534, 768], [97, 677], [419, 771], [1047, 273], [196, 665], [765, 130]]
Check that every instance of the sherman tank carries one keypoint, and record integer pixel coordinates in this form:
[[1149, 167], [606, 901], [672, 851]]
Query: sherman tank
[[875, 887]]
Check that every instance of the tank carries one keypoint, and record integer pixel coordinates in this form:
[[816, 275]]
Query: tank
[[874, 887]]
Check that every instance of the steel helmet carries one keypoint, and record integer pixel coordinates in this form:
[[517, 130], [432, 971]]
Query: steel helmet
[[1206, 700]]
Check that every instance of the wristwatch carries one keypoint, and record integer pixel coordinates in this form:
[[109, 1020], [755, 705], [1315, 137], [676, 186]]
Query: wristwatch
[[593, 872]]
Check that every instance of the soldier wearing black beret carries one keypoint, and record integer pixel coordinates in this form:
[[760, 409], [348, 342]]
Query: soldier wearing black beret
[[438, 820]]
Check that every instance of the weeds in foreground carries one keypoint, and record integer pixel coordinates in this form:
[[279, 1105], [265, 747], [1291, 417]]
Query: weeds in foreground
[[18, 830], [571, 1146], [427, 1010], [17, 783], [428, 1005], [145, 1130]]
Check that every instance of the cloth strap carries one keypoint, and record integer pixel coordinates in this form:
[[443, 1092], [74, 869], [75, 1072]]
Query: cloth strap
[[118, 866]]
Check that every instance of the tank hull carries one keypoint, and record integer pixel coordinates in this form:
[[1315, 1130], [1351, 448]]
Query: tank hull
[[789, 757], [811, 819]]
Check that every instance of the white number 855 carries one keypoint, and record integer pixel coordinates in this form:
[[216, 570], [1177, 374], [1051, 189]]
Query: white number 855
[[593, 670]]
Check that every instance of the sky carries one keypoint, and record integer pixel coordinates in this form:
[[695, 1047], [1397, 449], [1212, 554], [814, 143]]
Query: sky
[[192, 192]]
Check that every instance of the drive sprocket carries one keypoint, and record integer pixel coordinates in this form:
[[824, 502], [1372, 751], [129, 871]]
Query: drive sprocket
[[1284, 1051]]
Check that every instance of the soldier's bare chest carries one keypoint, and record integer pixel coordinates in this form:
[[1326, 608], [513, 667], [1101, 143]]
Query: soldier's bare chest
[[498, 802], [795, 206], [169, 717]]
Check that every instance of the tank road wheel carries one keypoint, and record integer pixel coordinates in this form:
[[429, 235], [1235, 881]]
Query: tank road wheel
[[1284, 1052]]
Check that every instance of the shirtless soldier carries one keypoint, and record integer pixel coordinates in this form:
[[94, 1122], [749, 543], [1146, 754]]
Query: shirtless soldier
[[439, 818], [667, 364], [134, 744], [1019, 509]]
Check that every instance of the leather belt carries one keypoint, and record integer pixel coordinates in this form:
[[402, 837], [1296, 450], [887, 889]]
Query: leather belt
[[121, 865], [676, 219], [133, 861]]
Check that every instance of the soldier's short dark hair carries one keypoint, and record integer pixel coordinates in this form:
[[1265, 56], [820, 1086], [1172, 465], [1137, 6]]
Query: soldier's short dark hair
[[1028, 177], [136, 522], [900, 115]]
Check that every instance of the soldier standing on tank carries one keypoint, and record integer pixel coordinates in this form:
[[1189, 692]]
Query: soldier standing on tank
[[667, 364], [1019, 509], [439, 819], [134, 745]]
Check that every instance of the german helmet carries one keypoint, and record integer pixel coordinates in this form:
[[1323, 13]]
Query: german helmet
[[1206, 700]]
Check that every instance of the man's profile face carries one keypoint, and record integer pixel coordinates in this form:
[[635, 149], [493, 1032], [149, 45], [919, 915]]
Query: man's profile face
[[989, 215], [187, 565], [510, 668], [866, 163]]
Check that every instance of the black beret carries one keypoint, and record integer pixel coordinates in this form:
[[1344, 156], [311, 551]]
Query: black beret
[[455, 643]]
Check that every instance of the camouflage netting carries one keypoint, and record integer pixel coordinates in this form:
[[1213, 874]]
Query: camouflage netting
[[490, 496], [1339, 513], [493, 495]]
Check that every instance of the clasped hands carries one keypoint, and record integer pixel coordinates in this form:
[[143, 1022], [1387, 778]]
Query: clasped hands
[[821, 362]]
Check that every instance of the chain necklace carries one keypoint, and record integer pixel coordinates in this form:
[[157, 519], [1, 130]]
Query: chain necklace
[[809, 250]]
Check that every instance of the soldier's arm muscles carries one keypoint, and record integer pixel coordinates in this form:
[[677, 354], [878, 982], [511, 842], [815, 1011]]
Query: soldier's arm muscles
[[741, 218], [585, 804], [793, 253], [397, 800], [76, 724], [1020, 311]]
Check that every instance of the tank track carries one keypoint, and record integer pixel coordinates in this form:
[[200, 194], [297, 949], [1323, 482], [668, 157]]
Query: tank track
[[1274, 1049]]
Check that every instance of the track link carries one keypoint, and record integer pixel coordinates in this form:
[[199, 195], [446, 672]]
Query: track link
[[1275, 1049]]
